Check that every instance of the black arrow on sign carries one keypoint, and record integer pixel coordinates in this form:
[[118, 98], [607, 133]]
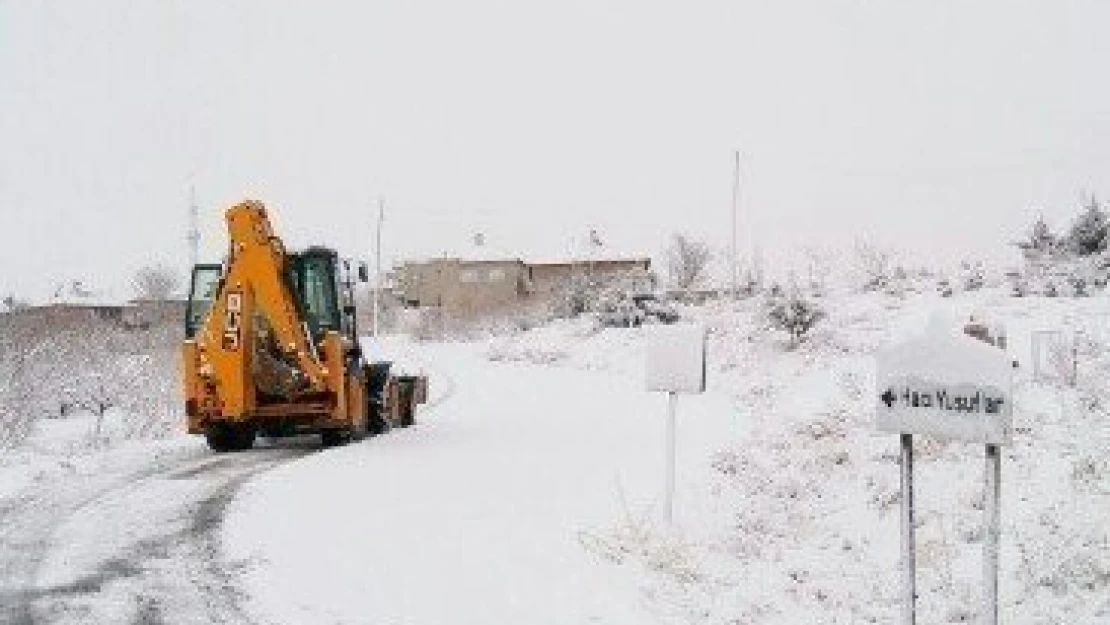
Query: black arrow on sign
[[888, 398]]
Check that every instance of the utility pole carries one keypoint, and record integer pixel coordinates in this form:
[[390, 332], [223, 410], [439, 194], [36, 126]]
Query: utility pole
[[733, 251], [378, 265]]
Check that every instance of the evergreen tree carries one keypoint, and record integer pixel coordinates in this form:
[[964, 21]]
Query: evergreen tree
[[1042, 242], [1088, 233]]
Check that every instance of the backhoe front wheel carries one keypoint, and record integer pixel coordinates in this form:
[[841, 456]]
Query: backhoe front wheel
[[230, 436]]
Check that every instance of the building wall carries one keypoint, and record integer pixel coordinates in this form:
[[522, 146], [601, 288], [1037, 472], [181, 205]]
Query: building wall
[[473, 288], [549, 278], [65, 316], [460, 286]]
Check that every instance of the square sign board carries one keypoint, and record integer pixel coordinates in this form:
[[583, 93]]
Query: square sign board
[[676, 358], [946, 385]]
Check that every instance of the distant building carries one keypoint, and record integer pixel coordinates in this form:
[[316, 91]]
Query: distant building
[[469, 287], [549, 277], [73, 307], [67, 314], [480, 281], [149, 312]]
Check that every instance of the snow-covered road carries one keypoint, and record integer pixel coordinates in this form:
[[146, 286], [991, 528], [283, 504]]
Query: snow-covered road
[[479, 514], [130, 538]]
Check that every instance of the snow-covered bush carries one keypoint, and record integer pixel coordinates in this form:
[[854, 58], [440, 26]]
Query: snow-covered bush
[[794, 314], [149, 390], [1041, 243], [1074, 265], [152, 403], [973, 275], [610, 299], [574, 297], [16, 387], [92, 366], [873, 265]]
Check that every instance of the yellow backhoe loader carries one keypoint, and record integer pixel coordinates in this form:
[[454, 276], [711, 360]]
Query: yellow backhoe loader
[[272, 346]]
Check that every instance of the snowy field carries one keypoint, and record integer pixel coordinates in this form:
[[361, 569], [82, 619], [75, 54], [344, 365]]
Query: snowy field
[[481, 513], [530, 491]]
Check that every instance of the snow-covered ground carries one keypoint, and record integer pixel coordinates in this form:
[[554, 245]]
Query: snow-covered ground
[[99, 529], [531, 493], [487, 511]]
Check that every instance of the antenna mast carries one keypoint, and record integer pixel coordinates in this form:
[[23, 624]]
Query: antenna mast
[[192, 237], [378, 266], [733, 252]]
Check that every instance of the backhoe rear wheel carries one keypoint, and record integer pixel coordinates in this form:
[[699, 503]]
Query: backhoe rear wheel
[[245, 434], [335, 437], [223, 437]]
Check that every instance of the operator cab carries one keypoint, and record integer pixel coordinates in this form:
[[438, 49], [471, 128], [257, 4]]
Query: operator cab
[[313, 278], [203, 289]]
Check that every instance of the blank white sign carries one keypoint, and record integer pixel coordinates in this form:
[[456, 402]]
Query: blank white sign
[[676, 358]]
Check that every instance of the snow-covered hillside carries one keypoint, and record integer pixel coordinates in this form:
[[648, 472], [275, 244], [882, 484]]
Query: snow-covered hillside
[[808, 526], [530, 492]]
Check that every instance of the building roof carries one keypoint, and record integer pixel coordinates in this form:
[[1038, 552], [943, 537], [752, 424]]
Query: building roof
[[76, 295], [590, 247]]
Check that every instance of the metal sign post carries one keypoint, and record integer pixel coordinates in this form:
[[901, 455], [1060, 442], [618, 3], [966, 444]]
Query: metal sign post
[[957, 388], [909, 568], [675, 364], [672, 399], [993, 522]]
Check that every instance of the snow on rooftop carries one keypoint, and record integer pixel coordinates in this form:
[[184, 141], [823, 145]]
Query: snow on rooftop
[[479, 248], [590, 247], [77, 294]]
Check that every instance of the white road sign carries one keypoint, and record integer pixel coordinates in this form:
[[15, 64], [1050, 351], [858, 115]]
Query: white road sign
[[946, 385], [676, 358]]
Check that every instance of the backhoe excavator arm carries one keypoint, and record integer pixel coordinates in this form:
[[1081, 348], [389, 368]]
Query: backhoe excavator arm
[[255, 283]]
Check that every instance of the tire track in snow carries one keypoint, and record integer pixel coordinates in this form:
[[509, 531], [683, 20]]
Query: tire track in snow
[[160, 566], [29, 521]]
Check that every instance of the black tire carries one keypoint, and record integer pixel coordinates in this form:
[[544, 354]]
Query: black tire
[[224, 437], [274, 430], [219, 437], [335, 437], [377, 425], [245, 434]]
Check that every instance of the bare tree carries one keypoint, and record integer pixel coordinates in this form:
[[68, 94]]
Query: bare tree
[[687, 260], [156, 282], [874, 264], [819, 267]]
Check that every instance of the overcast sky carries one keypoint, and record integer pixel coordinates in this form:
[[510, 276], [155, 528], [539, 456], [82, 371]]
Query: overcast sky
[[938, 128]]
